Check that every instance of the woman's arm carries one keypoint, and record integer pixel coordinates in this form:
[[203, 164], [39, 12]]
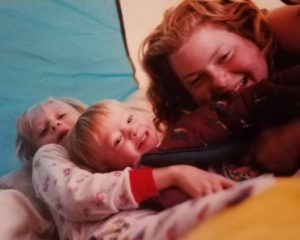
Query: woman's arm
[[277, 149], [285, 23]]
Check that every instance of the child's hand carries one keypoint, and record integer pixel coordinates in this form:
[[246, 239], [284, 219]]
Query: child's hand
[[191, 180], [197, 182]]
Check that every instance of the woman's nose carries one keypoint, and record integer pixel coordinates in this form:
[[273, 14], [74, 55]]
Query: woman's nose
[[222, 82], [219, 78]]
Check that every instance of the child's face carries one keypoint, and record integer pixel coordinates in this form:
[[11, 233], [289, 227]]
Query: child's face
[[125, 137], [52, 122], [215, 64]]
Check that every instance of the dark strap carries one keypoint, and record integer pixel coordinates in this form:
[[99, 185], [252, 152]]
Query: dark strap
[[200, 157]]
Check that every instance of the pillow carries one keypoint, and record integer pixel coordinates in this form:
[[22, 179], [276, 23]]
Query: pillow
[[19, 219], [20, 180]]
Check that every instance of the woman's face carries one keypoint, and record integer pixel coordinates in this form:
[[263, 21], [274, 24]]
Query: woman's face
[[213, 64]]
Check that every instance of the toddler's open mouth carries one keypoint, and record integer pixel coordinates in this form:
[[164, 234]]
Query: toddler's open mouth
[[142, 139]]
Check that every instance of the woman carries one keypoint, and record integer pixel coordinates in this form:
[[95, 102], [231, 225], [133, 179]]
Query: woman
[[209, 51]]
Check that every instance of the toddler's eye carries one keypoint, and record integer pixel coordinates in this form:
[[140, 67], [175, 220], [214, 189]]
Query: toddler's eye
[[224, 57], [130, 118], [43, 132], [118, 140], [63, 115]]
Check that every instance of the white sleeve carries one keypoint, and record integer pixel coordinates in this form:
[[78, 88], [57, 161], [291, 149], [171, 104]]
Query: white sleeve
[[75, 193]]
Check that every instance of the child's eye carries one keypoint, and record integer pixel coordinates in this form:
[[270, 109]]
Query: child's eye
[[224, 57], [43, 132], [63, 115], [130, 118], [118, 140]]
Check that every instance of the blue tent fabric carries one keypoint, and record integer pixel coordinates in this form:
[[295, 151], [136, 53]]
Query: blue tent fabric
[[57, 48]]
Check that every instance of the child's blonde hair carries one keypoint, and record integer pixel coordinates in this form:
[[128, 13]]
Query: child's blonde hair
[[84, 140], [25, 147]]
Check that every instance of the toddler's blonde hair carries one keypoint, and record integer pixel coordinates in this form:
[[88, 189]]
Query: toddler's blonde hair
[[84, 141]]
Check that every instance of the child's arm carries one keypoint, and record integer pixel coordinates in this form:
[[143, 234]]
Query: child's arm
[[80, 195]]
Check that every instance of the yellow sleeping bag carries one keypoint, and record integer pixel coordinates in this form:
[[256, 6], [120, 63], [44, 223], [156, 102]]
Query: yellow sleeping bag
[[274, 214]]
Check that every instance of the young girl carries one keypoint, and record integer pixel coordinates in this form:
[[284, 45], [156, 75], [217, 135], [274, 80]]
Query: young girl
[[206, 52], [87, 205], [46, 122], [108, 136]]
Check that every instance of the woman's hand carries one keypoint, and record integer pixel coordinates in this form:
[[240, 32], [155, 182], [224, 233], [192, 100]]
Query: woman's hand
[[191, 180], [277, 149]]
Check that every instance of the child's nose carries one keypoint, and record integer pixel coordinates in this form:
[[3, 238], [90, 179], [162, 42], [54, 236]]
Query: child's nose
[[132, 132], [55, 124]]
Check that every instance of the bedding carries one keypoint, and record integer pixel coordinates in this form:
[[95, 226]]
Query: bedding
[[273, 214], [17, 210]]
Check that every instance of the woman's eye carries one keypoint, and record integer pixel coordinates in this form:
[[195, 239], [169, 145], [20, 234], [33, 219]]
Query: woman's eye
[[130, 118], [118, 140], [197, 80]]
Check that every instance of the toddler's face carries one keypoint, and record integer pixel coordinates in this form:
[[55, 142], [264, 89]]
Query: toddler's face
[[52, 122], [125, 137], [214, 64]]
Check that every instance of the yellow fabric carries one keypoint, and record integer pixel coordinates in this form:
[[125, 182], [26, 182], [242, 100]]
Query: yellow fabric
[[273, 214]]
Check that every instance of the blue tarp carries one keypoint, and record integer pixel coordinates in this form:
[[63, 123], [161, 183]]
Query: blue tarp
[[70, 48]]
